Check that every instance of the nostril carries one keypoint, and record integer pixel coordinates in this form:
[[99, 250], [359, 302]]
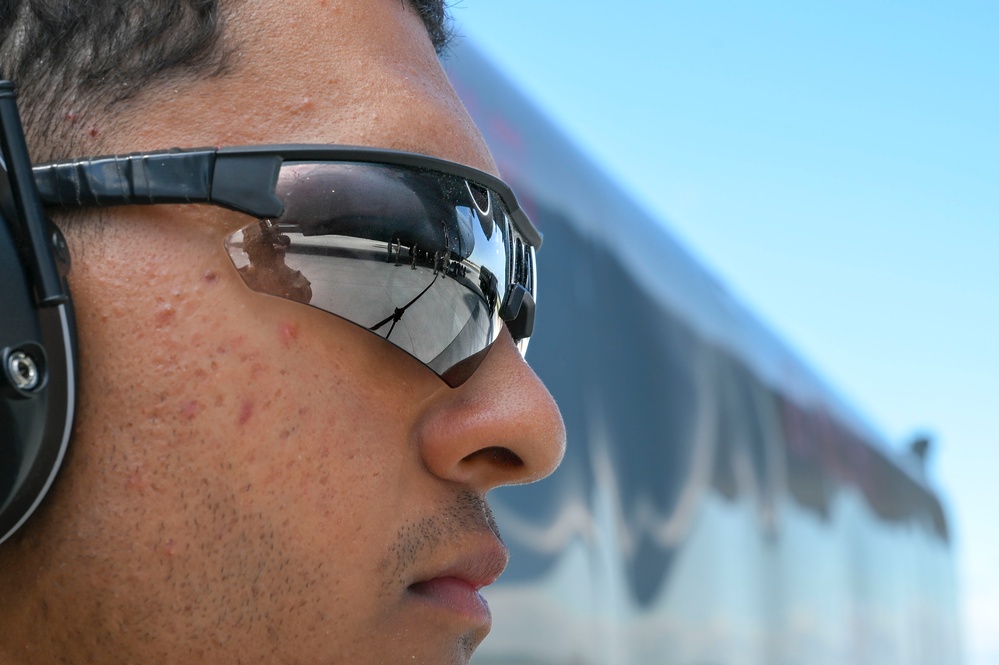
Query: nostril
[[497, 455]]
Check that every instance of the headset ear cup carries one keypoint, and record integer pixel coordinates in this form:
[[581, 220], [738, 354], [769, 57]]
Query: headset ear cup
[[37, 333], [37, 387]]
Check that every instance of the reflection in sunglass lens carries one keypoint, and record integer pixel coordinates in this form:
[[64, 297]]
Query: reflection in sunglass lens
[[419, 258]]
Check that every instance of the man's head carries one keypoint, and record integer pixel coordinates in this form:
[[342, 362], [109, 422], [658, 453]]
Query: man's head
[[250, 478]]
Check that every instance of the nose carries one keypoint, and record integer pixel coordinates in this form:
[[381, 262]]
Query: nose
[[501, 427]]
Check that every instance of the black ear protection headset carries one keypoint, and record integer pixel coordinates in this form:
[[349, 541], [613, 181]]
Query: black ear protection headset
[[37, 333]]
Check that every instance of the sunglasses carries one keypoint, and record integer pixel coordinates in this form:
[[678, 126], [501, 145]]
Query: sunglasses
[[432, 256]]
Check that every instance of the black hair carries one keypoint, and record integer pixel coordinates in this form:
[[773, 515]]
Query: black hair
[[435, 17], [84, 58]]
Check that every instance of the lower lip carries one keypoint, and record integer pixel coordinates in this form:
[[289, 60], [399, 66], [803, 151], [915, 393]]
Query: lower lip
[[455, 595]]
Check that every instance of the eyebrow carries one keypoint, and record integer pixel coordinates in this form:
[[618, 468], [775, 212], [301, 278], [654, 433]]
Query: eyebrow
[[437, 20]]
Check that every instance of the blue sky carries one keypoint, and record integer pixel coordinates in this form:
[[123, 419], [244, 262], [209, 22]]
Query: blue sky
[[837, 165]]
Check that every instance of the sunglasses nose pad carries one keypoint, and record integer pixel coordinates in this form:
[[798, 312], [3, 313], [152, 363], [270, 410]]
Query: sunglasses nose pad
[[518, 312]]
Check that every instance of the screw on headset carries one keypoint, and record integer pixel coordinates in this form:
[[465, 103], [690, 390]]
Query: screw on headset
[[22, 371]]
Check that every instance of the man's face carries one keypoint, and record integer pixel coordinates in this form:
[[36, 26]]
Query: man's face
[[251, 479]]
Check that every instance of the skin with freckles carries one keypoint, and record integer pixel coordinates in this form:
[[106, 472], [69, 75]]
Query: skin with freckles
[[251, 479]]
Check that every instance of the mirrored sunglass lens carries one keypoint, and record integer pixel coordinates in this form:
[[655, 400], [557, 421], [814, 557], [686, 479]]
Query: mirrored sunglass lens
[[417, 257]]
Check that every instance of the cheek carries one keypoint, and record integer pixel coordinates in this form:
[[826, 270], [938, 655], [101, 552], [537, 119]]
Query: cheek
[[314, 436], [258, 396], [213, 416]]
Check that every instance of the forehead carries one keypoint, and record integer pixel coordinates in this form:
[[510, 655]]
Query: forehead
[[353, 72]]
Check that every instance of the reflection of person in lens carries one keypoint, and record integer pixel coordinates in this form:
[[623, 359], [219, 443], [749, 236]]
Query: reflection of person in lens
[[267, 271], [489, 285]]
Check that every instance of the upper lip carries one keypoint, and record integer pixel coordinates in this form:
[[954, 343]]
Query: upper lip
[[478, 566]]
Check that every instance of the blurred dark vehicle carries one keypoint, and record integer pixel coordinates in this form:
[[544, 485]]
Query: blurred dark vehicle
[[718, 504]]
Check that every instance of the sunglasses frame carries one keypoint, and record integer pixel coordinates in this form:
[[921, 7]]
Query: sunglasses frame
[[239, 178], [245, 179]]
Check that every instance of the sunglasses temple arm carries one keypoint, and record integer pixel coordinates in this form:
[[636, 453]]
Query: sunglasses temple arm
[[139, 179], [240, 182]]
